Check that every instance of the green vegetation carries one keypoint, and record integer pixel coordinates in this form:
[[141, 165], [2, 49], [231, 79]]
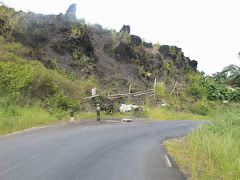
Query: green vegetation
[[212, 150], [8, 19], [143, 72], [81, 58], [234, 75], [111, 42], [126, 36], [78, 30], [220, 77], [165, 114], [160, 90], [207, 87], [31, 94], [15, 117]]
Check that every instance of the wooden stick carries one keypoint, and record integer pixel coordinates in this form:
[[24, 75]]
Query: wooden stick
[[145, 93], [90, 97], [131, 93], [174, 88]]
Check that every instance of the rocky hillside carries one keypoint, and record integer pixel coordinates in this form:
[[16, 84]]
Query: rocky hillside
[[116, 57]]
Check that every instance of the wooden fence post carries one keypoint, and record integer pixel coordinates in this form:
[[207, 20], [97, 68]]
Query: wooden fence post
[[155, 82], [71, 114], [98, 112], [129, 91]]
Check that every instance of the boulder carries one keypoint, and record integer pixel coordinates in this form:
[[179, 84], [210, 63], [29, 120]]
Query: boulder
[[193, 64], [147, 45], [135, 40], [124, 52], [82, 43], [164, 49], [225, 102]]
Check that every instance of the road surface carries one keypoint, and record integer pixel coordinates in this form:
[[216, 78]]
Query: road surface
[[109, 150]]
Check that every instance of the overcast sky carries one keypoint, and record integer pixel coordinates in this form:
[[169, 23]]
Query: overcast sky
[[207, 30]]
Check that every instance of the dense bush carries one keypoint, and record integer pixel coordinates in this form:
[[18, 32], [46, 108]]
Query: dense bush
[[201, 87], [201, 108], [16, 80], [59, 103]]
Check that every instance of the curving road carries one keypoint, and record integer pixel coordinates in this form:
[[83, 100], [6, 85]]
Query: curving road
[[109, 150]]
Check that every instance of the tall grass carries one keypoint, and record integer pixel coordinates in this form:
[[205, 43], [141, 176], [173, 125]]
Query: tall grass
[[160, 89], [16, 118], [163, 113], [212, 151]]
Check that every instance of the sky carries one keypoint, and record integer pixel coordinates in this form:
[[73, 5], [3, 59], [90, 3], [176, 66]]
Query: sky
[[207, 30]]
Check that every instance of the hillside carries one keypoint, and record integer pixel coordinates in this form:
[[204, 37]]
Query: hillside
[[49, 62], [91, 50]]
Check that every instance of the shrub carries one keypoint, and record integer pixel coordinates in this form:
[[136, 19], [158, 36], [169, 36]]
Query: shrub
[[160, 89], [195, 85], [201, 107], [16, 80], [59, 103]]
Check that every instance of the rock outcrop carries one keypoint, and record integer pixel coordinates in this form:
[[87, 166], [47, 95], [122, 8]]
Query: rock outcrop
[[125, 28], [164, 50], [124, 53], [148, 45], [112, 56], [71, 11], [135, 40]]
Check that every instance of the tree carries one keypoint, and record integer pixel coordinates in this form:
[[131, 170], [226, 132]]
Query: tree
[[233, 74], [220, 77]]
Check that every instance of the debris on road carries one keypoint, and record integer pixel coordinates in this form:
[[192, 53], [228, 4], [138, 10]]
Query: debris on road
[[126, 120]]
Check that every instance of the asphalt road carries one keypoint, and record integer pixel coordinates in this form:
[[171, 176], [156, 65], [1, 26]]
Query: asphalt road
[[88, 151]]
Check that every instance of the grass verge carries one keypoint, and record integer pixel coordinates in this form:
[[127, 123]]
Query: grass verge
[[17, 118], [212, 150], [163, 113]]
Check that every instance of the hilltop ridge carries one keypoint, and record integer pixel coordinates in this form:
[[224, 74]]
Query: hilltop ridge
[[92, 50]]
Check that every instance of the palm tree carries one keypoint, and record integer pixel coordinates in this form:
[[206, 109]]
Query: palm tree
[[220, 76], [233, 75]]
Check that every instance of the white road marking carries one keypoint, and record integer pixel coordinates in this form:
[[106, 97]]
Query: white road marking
[[81, 130], [183, 124], [9, 169], [84, 129], [167, 161], [36, 155]]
